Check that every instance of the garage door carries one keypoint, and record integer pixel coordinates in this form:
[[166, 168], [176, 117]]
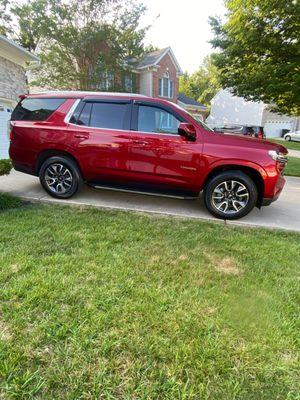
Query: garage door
[[273, 128], [5, 113]]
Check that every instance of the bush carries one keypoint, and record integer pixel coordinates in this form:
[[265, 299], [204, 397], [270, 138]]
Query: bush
[[5, 167], [7, 201]]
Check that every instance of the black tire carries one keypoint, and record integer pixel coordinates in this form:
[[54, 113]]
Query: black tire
[[242, 197], [60, 172], [288, 138]]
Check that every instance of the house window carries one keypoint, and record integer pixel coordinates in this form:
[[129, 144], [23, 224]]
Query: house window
[[128, 84], [165, 86], [106, 81]]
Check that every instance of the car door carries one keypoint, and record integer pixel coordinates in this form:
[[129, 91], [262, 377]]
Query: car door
[[158, 154], [101, 137]]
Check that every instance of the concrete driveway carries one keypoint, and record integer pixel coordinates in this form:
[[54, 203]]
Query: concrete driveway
[[284, 213]]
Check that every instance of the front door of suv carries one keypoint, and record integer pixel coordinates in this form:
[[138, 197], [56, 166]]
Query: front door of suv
[[158, 155], [101, 135]]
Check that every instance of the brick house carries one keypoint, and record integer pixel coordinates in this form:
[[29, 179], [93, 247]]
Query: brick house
[[158, 75], [13, 62]]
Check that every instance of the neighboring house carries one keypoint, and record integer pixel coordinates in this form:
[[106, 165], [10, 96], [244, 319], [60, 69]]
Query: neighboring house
[[192, 106], [13, 61], [158, 75], [229, 109]]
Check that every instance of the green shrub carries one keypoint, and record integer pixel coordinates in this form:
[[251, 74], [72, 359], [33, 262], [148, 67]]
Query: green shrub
[[7, 201], [5, 167]]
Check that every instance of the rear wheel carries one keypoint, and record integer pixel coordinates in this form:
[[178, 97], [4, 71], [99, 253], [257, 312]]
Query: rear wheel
[[287, 138], [60, 177], [230, 195]]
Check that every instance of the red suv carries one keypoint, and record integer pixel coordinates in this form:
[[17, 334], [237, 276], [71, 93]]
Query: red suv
[[133, 142]]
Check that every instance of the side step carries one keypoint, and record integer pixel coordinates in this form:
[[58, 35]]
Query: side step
[[174, 194]]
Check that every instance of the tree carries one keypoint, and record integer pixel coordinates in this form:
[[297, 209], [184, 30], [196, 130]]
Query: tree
[[203, 84], [260, 51], [82, 44]]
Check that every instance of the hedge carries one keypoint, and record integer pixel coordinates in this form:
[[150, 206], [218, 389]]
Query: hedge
[[6, 200], [5, 167]]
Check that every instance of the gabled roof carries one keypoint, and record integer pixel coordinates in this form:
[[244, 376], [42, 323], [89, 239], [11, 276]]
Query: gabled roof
[[15, 52], [189, 101], [152, 59]]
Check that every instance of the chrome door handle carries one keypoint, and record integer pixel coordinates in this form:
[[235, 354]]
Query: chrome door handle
[[140, 142], [81, 136]]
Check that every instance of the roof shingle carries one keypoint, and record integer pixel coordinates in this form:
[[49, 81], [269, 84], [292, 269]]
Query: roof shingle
[[189, 101], [151, 58]]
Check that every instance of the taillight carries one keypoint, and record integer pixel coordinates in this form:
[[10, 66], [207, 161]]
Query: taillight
[[10, 129]]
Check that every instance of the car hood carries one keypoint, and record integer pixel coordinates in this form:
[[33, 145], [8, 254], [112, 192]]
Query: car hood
[[275, 146], [246, 141]]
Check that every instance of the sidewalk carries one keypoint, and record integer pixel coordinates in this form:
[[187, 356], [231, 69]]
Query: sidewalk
[[284, 213]]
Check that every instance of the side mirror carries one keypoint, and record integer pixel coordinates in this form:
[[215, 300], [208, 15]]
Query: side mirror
[[188, 131]]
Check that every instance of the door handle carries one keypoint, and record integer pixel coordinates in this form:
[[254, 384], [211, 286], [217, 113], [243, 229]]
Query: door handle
[[140, 142], [81, 136]]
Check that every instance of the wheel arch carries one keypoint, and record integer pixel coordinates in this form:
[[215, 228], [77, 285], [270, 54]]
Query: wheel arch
[[45, 154], [253, 173]]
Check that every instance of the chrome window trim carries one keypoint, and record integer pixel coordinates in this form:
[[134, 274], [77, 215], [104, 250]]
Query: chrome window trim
[[124, 130], [74, 106], [71, 111]]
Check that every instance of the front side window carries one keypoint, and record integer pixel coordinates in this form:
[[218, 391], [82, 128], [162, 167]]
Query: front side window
[[38, 109], [154, 119]]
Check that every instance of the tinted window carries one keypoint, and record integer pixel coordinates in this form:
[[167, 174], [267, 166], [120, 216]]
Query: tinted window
[[109, 115], [75, 116], [35, 109], [85, 115], [153, 119]]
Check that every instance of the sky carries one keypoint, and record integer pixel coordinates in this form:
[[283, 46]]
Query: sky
[[184, 26]]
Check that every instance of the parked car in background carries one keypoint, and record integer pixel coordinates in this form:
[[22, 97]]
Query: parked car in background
[[292, 136], [139, 143], [246, 130]]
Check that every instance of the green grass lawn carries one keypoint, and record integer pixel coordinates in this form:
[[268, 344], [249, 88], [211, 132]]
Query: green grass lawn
[[288, 145], [293, 167], [114, 305]]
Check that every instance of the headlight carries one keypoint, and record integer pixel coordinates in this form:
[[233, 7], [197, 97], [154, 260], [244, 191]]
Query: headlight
[[280, 157]]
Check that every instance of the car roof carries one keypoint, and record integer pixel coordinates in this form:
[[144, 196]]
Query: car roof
[[70, 94]]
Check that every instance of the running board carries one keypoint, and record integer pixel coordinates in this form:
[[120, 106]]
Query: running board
[[172, 195]]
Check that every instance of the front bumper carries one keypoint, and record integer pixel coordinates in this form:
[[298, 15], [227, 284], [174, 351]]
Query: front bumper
[[279, 185]]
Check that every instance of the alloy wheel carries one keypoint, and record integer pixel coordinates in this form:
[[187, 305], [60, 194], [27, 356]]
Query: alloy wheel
[[230, 197], [58, 178]]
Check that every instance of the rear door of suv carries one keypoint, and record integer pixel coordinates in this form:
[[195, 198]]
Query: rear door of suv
[[101, 138]]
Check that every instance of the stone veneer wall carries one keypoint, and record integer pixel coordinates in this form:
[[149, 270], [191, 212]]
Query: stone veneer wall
[[12, 80]]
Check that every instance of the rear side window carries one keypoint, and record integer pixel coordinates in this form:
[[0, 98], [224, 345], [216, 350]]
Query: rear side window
[[35, 109], [108, 115], [83, 116], [102, 115]]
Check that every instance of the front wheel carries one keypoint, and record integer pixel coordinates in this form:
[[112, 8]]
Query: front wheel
[[230, 195], [60, 177], [287, 138]]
